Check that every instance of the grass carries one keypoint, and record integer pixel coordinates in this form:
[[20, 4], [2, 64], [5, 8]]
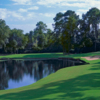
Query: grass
[[72, 83], [48, 55]]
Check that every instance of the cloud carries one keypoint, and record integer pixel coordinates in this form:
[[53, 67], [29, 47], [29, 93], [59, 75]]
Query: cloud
[[17, 15], [22, 10], [3, 13], [28, 9], [33, 8], [31, 15], [74, 4], [22, 2], [71, 3], [47, 14], [6, 13], [54, 2]]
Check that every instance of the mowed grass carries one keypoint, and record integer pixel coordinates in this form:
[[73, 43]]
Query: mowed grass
[[71, 83], [48, 55]]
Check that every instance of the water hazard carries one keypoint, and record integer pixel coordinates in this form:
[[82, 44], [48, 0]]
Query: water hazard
[[18, 73]]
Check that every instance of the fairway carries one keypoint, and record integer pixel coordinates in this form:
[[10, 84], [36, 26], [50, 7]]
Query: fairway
[[71, 83]]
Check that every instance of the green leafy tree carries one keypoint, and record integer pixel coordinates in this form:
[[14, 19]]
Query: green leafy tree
[[16, 40], [39, 34], [4, 34], [68, 33], [93, 17], [63, 28]]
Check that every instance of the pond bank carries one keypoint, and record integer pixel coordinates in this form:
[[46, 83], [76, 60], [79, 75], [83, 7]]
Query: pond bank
[[71, 83]]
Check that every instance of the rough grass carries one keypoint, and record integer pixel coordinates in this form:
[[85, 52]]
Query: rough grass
[[71, 83]]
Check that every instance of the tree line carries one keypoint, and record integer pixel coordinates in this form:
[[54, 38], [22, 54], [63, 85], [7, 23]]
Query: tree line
[[71, 34]]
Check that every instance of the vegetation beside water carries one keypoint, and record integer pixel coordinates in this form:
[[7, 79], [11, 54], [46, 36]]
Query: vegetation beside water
[[70, 34], [72, 83]]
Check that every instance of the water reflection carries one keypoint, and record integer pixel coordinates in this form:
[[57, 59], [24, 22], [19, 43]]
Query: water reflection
[[18, 73]]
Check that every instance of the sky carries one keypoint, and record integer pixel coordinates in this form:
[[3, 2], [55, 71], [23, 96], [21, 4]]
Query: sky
[[24, 14]]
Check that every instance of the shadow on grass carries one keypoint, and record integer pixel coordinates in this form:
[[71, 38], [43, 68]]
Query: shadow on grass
[[43, 55], [96, 66], [56, 55], [72, 89], [50, 55], [91, 98]]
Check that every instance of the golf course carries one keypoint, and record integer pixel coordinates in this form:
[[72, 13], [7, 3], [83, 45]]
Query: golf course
[[71, 83]]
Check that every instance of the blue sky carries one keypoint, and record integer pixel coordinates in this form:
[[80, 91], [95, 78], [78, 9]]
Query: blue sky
[[24, 14]]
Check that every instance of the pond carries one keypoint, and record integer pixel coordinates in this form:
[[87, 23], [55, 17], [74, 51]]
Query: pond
[[18, 73]]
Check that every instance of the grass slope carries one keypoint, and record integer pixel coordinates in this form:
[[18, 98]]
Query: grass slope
[[71, 83]]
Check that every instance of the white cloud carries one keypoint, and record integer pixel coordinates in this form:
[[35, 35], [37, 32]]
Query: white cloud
[[47, 14], [22, 2], [31, 15], [14, 15], [77, 3], [17, 15], [3, 13], [28, 9], [33, 8], [83, 5], [6, 13], [74, 4], [22, 10], [51, 2], [26, 14]]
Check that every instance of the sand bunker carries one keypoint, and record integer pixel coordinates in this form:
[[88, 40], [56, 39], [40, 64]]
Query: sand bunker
[[92, 57]]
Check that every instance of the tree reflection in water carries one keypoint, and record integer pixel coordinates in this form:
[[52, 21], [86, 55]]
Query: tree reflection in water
[[24, 71]]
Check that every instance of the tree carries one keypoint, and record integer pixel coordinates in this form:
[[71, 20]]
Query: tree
[[93, 17], [49, 37], [30, 40], [41, 27], [39, 33], [83, 34], [68, 34], [63, 27], [58, 24], [4, 34], [41, 40], [15, 43]]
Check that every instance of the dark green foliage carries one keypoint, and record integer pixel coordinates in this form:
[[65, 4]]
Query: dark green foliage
[[70, 34]]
